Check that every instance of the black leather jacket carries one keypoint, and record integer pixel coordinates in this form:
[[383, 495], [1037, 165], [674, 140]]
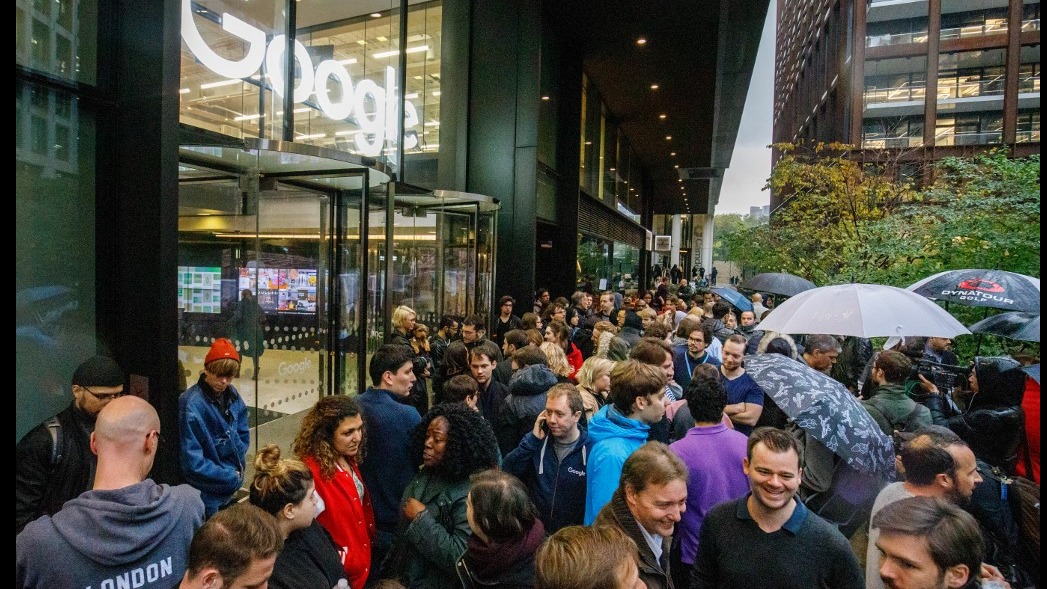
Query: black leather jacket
[[993, 423], [41, 488]]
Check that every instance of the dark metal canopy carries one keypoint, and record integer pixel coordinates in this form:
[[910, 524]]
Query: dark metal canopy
[[700, 53]]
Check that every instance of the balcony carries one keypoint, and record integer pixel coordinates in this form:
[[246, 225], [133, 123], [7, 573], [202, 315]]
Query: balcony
[[1029, 83], [908, 92], [880, 142], [948, 137], [895, 39], [990, 27], [969, 87], [1029, 25], [1028, 136]]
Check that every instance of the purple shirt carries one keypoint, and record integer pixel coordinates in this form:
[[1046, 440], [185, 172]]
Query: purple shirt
[[713, 455]]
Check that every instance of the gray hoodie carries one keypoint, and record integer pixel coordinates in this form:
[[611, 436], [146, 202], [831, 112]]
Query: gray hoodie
[[137, 536]]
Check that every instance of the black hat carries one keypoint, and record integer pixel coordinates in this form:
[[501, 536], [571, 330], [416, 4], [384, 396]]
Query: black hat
[[99, 371]]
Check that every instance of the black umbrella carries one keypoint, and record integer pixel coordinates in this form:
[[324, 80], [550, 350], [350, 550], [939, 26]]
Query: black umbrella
[[996, 289], [780, 283], [1014, 325]]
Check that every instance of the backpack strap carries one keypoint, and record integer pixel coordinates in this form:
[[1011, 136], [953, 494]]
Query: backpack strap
[[55, 428]]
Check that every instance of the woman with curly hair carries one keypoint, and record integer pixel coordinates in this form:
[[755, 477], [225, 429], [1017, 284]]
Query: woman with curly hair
[[285, 489], [506, 533], [452, 442], [330, 442], [556, 360]]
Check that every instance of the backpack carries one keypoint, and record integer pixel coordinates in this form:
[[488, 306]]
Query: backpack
[[1007, 511], [55, 428], [908, 424]]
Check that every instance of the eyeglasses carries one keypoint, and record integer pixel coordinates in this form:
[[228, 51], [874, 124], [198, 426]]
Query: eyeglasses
[[696, 340], [105, 396]]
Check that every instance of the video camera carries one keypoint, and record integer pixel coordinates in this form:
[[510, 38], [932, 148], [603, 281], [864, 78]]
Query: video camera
[[946, 377]]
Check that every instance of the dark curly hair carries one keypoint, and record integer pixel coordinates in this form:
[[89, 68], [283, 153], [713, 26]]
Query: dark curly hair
[[316, 434], [706, 398], [471, 444]]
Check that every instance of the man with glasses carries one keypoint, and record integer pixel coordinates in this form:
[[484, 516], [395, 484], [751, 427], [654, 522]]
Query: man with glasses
[[214, 430], [54, 462], [694, 352], [127, 530]]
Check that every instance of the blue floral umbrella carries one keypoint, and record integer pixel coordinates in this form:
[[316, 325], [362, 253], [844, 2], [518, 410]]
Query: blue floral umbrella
[[826, 410]]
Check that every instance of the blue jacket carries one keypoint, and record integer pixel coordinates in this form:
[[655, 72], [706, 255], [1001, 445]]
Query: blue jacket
[[214, 437], [614, 437], [387, 467], [557, 488]]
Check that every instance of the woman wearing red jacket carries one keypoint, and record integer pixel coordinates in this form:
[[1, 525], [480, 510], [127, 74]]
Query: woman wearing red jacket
[[330, 442]]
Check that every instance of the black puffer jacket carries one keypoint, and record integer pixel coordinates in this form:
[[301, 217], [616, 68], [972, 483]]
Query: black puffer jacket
[[526, 400], [993, 423]]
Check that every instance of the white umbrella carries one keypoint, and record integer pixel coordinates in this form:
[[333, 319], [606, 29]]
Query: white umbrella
[[864, 310]]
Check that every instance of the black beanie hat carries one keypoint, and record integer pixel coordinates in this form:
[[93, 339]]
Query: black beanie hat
[[99, 371]]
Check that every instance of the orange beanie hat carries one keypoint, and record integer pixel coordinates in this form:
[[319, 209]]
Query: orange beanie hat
[[221, 348]]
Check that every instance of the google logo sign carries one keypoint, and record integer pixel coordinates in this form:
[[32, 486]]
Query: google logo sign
[[352, 105]]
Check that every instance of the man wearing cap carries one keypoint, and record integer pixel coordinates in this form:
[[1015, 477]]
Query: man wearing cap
[[54, 462], [214, 431]]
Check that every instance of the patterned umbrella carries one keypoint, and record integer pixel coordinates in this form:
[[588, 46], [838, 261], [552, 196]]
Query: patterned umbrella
[[996, 289], [826, 410]]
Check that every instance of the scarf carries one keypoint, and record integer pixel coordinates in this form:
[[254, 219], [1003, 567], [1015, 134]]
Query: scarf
[[488, 561]]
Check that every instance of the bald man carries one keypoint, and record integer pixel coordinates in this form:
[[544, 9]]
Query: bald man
[[127, 530]]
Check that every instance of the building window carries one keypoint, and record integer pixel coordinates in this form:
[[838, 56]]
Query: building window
[[1028, 125], [1031, 16], [974, 128], [976, 23], [967, 74], [58, 38], [893, 132], [896, 32], [895, 80]]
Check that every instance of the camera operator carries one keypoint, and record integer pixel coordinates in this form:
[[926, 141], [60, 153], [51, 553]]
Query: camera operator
[[993, 423]]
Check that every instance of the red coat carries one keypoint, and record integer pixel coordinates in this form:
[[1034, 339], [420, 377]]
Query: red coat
[[1031, 407], [349, 521], [574, 358]]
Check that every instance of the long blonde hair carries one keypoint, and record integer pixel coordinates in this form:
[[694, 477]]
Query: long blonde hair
[[556, 359]]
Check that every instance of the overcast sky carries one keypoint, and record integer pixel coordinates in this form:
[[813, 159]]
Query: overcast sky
[[751, 162]]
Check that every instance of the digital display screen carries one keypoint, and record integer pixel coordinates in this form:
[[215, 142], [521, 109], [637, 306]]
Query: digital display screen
[[281, 290]]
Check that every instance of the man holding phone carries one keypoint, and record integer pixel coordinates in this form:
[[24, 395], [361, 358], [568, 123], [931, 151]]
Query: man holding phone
[[551, 459]]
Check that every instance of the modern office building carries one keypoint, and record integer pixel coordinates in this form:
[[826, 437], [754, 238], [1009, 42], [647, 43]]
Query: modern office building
[[430, 153], [930, 78]]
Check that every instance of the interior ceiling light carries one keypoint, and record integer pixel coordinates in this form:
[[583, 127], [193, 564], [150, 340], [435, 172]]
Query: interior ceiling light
[[641, 41], [672, 153], [376, 15], [662, 116], [545, 98], [668, 137], [677, 166], [654, 86]]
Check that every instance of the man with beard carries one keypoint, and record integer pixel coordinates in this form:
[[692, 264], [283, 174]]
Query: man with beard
[[768, 539], [937, 463], [928, 543]]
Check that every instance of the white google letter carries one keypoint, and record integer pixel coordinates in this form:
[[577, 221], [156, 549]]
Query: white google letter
[[224, 67]]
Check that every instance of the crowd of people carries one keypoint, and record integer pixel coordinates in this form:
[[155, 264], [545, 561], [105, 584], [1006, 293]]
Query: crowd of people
[[601, 440]]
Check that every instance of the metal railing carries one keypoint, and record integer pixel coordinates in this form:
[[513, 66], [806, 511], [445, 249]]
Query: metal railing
[[992, 27], [967, 87], [908, 91], [880, 142], [951, 138], [895, 39]]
